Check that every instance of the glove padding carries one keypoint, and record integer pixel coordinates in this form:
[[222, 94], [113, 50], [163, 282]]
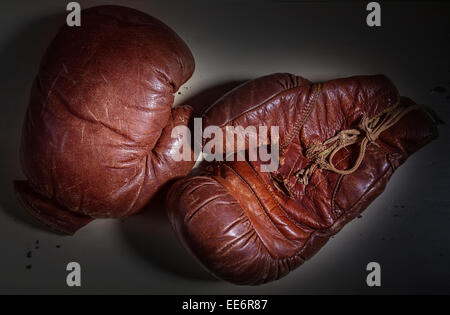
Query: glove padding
[[96, 141], [251, 227]]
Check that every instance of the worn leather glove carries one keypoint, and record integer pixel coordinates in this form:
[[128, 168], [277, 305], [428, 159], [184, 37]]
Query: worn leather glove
[[340, 142], [96, 140]]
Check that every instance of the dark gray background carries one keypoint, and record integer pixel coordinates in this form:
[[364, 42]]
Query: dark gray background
[[406, 229]]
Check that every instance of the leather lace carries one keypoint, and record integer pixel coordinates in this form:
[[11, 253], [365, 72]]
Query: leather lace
[[368, 130]]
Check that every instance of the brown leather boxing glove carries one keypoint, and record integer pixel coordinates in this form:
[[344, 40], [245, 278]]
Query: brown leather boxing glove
[[340, 142], [96, 141]]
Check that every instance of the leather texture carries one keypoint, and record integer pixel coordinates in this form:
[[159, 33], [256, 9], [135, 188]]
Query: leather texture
[[96, 141], [251, 227]]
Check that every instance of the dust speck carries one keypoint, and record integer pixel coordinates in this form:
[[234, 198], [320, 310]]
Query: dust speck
[[438, 89]]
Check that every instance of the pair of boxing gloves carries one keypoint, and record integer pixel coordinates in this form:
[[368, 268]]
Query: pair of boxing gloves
[[97, 142]]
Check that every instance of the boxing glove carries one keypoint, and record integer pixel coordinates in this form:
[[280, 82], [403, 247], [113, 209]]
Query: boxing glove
[[339, 143], [96, 140]]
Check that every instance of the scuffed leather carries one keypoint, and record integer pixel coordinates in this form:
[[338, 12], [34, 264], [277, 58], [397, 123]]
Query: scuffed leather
[[96, 141], [252, 227]]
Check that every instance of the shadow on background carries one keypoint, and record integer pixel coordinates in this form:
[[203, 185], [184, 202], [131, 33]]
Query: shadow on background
[[19, 60], [150, 233]]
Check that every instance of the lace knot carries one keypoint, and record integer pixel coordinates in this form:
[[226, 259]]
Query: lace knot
[[369, 129]]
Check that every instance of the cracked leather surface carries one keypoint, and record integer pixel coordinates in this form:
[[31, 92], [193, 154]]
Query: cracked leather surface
[[251, 227], [96, 140]]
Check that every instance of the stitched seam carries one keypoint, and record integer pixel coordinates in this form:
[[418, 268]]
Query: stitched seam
[[317, 232], [325, 174], [359, 112], [293, 165], [205, 204], [289, 133], [248, 219], [357, 203], [336, 189], [262, 103], [302, 117], [263, 210], [298, 122], [186, 186], [259, 202], [289, 188], [243, 211], [299, 225]]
